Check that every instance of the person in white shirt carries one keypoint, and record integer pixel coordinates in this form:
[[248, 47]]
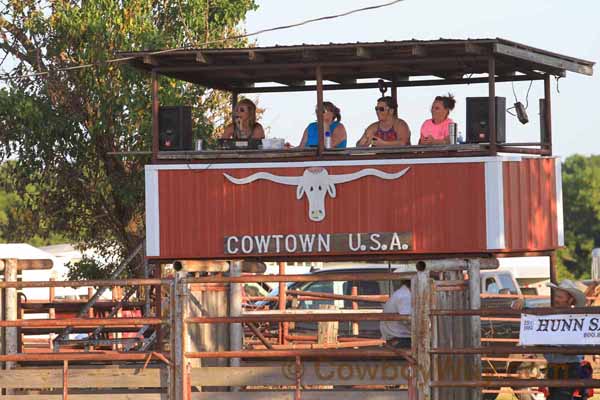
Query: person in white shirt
[[397, 333]]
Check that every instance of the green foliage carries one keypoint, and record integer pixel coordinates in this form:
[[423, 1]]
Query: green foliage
[[581, 199], [60, 128], [19, 220], [89, 268]]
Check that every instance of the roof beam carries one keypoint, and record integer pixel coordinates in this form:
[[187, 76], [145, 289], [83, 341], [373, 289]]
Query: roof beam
[[242, 85], [542, 59], [363, 52], [451, 75], [203, 58], [471, 48], [309, 55], [255, 57], [399, 78], [291, 82], [151, 60], [343, 81], [374, 85], [418, 51]]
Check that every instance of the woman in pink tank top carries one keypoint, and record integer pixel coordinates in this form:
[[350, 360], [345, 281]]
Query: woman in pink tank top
[[435, 130]]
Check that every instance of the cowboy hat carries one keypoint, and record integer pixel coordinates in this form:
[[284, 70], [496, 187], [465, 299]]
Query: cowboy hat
[[575, 289]]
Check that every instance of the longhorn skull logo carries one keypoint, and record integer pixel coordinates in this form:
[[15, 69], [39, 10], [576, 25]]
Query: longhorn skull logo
[[316, 182]]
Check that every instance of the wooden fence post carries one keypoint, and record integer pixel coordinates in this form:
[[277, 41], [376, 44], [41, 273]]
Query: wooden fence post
[[421, 333], [327, 331], [2, 317], [236, 332], [475, 332], [179, 301], [11, 335]]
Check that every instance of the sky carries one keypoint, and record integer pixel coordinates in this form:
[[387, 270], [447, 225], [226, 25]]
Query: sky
[[569, 28]]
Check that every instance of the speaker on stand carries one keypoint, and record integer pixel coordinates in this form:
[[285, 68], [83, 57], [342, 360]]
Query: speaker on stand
[[175, 128], [478, 120]]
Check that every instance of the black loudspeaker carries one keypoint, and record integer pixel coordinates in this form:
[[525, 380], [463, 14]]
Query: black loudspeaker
[[175, 128], [478, 130]]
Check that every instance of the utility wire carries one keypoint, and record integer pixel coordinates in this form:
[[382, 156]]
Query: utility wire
[[241, 36]]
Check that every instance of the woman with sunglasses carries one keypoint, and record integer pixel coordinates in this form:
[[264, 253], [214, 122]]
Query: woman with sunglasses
[[331, 123], [244, 124], [389, 130], [435, 130]]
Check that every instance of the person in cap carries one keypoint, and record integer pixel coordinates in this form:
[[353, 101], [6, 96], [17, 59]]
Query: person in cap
[[565, 366], [397, 333], [567, 294]]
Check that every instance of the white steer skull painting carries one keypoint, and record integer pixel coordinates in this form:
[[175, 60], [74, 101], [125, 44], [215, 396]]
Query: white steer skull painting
[[316, 182]]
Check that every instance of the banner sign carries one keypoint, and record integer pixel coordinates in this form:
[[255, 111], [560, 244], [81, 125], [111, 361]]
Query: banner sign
[[560, 329], [318, 243]]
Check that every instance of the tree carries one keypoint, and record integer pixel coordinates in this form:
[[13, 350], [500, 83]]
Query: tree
[[60, 128], [581, 199], [17, 217]]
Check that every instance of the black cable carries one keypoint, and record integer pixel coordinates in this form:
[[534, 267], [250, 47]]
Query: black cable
[[527, 95], [277, 28], [512, 83]]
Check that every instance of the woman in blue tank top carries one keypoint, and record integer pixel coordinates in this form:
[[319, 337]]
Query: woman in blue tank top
[[331, 123]]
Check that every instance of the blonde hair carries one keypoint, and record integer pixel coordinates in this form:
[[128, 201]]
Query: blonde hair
[[251, 111]]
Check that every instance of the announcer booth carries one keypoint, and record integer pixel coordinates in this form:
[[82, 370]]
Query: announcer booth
[[458, 206], [483, 197], [381, 208]]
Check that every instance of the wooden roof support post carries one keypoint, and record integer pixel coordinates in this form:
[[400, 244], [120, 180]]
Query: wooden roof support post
[[547, 140], [319, 75], [492, 105], [155, 139], [234, 102], [395, 94]]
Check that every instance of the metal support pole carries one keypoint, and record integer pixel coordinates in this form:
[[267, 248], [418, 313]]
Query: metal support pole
[[11, 314], [456, 264], [155, 110], [475, 334], [547, 113], [320, 127], [492, 105], [283, 327]]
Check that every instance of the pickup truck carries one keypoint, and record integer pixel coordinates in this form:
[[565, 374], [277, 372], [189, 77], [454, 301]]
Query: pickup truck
[[493, 282]]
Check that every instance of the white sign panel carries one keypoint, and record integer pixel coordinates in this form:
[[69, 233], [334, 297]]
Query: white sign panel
[[560, 329]]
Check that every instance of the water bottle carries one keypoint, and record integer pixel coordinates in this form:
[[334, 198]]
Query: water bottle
[[327, 140], [461, 139], [452, 132]]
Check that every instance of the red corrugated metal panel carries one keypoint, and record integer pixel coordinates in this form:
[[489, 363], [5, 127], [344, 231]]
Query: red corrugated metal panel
[[442, 205], [530, 204]]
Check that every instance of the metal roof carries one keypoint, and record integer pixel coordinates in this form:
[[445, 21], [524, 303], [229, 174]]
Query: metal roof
[[238, 68]]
